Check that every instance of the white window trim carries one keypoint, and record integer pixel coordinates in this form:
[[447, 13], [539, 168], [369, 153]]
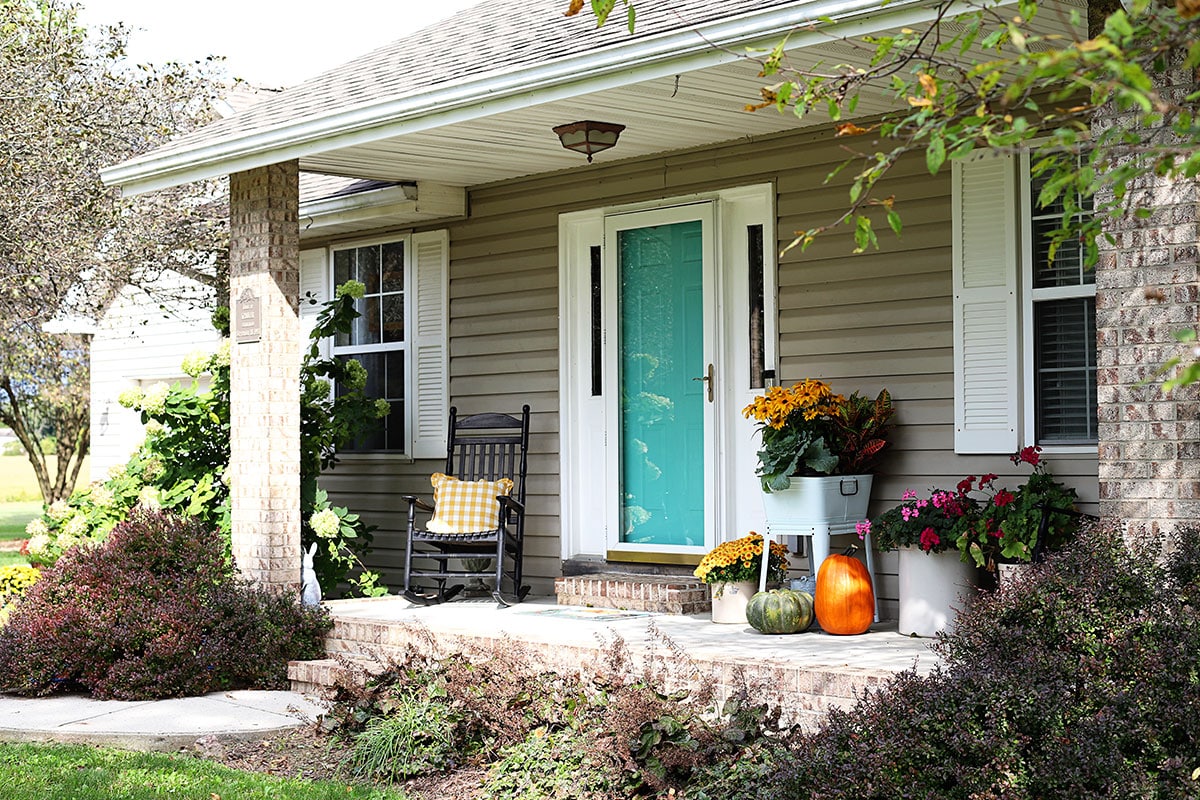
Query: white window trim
[[425, 345], [1029, 295]]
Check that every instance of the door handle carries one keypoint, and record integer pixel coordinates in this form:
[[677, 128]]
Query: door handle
[[709, 379]]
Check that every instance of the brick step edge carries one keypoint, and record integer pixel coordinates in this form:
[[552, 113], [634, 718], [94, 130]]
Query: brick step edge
[[320, 676], [658, 593]]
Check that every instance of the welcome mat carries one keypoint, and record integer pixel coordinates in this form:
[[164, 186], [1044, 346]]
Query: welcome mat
[[594, 614]]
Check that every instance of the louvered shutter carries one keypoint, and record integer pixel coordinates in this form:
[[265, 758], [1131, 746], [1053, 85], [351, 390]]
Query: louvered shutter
[[429, 348], [986, 331], [314, 285]]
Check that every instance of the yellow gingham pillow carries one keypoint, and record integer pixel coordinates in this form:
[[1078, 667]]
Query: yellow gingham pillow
[[465, 506]]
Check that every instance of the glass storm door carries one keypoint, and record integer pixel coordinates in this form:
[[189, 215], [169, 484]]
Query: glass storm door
[[663, 275]]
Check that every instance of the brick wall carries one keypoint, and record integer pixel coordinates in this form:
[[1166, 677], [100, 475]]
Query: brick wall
[[1146, 290], [264, 459]]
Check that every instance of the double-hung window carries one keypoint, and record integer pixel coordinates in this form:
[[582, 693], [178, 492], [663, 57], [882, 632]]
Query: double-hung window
[[1061, 328], [399, 337], [1024, 326], [377, 338]]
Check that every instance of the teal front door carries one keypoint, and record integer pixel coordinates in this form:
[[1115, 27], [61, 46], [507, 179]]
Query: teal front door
[[663, 419]]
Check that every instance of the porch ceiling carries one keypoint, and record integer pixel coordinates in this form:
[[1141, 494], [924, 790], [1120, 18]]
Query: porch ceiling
[[662, 114], [659, 115]]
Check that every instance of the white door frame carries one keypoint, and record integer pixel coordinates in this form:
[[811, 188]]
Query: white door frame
[[587, 494]]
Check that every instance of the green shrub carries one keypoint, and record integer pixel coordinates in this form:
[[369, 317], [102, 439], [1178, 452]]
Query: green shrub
[[154, 611], [415, 737], [1079, 681], [547, 765], [543, 735], [182, 464], [12, 448]]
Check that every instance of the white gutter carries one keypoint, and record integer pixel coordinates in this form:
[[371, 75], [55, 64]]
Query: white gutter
[[605, 68]]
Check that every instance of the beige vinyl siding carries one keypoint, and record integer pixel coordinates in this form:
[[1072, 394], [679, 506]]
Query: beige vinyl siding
[[879, 319]]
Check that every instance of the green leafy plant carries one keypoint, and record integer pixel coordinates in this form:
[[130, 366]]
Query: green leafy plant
[[548, 763], [181, 465], [808, 430], [1006, 528]]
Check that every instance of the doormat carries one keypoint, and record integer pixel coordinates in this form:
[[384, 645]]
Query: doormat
[[595, 614]]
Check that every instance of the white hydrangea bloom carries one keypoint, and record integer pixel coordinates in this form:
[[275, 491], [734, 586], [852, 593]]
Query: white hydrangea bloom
[[66, 542], [148, 498], [116, 472], [36, 528], [130, 398], [76, 527], [325, 524], [195, 363], [59, 510], [154, 428], [38, 544], [102, 495], [221, 357], [154, 400]]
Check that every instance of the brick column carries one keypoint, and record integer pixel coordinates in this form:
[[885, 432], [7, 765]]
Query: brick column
[[1146, 289], [264, 287]]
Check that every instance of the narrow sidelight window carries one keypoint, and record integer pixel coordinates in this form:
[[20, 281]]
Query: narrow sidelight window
[[754, 260], [597, 326]]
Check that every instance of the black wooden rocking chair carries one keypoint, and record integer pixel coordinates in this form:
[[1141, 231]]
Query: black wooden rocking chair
[[479, 447]]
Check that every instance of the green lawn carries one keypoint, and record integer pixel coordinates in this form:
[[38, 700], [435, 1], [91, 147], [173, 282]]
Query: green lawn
[[18, 483], [68, 772], [8, 557], [15, 516]]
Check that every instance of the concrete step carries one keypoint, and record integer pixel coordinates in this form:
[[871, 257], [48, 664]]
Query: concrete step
[[664, 594]]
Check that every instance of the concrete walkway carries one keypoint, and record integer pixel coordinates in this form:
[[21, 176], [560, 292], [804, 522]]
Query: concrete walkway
[[159, 725]]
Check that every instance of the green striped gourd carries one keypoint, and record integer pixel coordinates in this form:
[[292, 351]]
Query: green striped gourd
[[780, 611]]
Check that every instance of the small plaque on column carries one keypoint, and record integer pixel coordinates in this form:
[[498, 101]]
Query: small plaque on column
[[249, 317]]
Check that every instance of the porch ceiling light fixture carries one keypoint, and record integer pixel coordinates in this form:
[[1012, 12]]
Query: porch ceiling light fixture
[[589, 137]]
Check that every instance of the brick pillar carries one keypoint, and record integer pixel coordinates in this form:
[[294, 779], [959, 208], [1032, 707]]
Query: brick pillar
[[264, 287], [1146, 289]]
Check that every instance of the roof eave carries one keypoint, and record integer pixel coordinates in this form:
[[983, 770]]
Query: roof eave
[[592, 71]]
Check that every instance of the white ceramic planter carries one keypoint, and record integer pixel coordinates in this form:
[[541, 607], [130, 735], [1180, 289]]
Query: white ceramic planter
[[932, 589], [729, 601]]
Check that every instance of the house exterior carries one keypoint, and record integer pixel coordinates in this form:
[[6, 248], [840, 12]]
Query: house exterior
[[502, 269]]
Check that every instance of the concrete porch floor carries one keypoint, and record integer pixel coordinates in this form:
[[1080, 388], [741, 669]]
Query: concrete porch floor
[[805, 673]]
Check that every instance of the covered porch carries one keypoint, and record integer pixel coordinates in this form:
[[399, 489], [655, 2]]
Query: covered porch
[[513, 219]]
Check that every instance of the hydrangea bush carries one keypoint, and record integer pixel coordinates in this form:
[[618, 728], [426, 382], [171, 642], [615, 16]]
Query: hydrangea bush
[[181, 466]]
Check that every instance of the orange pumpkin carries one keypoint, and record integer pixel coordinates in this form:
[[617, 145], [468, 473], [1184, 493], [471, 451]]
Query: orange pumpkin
[[844, 601]]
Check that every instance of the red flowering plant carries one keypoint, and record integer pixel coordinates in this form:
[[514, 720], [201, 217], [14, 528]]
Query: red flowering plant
[[1006, 528], [934, 523]]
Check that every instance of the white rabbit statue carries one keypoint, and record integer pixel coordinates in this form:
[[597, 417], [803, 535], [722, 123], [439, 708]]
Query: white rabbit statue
[[310, 590]]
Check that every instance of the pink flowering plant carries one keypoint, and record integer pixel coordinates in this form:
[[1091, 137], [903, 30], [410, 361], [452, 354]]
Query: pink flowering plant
[[1006, 529], [933, 523]]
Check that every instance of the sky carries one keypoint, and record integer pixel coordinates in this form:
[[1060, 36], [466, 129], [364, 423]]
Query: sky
[[268, 43]]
